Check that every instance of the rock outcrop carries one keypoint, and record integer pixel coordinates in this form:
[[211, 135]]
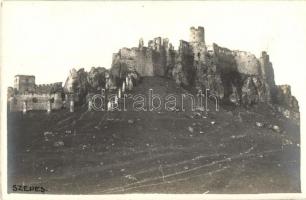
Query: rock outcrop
[[81, 83], [96, 78], [284, 97], [71, 81], [77, 85], [286, 103]]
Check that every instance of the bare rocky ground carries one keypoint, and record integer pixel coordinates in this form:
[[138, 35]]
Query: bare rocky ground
[[234, 150]]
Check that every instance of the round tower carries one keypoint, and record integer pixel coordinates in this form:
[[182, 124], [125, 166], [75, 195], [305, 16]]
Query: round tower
[[197, 35]]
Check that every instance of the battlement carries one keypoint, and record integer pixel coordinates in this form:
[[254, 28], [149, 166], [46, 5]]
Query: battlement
[[57, 84], [48, 88], [197, 35]]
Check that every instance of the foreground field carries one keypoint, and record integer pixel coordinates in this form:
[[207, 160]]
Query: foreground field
[[233, 150]]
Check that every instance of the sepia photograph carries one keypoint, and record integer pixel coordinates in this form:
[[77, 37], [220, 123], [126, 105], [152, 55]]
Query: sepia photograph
[[143, 97]]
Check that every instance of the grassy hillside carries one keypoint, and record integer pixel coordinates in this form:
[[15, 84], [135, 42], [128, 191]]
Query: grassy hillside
[[223, 151]]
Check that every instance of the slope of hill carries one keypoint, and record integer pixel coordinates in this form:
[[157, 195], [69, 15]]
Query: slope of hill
[[233, 150]]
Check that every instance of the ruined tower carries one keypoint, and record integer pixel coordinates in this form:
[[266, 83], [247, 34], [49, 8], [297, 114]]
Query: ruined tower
[[197, 35], [266, 68], [197, 41]]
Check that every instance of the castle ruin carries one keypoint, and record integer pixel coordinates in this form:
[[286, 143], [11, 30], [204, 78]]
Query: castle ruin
[[235, 77], [218, 69]]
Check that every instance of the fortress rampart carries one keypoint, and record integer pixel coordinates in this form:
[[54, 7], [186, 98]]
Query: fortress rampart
[[48, 88]]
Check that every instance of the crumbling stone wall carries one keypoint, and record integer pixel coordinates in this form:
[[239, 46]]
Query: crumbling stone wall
[[241, 76], [147, 61], [184, 70], [134, 59], [158, 59]]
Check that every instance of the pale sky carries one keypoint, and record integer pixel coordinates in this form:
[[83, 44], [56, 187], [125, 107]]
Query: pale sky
[[47, 39]]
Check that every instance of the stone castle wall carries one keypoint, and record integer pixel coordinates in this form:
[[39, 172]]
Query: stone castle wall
[[135, 59], [147, 61], [36, 97], [225, 56], [48, 88], [35, 102]]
